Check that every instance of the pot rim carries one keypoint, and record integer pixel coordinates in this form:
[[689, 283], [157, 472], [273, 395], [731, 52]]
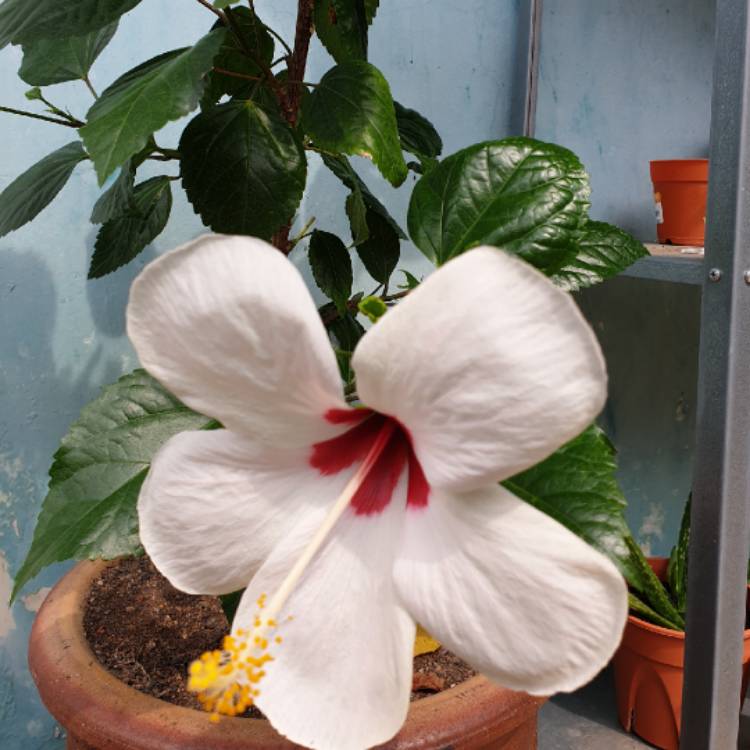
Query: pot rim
[[92, 703]]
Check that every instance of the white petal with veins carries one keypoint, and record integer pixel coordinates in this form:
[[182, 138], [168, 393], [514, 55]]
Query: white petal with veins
[[489, 366], [514, 593]]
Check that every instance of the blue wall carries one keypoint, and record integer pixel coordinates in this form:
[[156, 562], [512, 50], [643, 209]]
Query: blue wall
[[622, 83], [61, 337]]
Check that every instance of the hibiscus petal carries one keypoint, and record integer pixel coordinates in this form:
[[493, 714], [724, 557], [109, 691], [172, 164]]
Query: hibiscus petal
[[341, 677], [227, 324], [214, 505], [511, 591], [488, 365]]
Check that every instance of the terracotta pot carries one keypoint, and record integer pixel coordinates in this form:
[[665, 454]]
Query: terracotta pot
[[649, 671], [101, 713], [680, 190]]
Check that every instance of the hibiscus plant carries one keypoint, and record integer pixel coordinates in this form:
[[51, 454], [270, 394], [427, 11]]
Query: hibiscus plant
[[347, 479]]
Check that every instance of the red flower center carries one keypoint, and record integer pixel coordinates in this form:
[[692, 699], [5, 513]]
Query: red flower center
[[375, 492]]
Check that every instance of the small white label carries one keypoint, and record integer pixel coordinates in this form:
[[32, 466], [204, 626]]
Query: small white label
[[659, 211]]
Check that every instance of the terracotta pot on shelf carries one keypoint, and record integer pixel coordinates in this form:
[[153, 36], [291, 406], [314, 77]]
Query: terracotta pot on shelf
[[680, 191], [649, 672], [100, 712]]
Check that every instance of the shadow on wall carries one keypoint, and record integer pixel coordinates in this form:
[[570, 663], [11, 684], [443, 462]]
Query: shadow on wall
[[39, 401], [108, 297]]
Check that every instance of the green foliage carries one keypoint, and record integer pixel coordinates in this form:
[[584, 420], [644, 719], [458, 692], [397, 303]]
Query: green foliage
[[576, 486], [677, 571], [525, 196], [22, 21], [120, 239], [652, 591], [145, 99], [602, 251], [258, 161], [411, 282], [351, 111], [90, 509], [418, 135], [332, 267], [34, 190], [373, 308], [341, 25], [248, 57], [341, 167], [381, 249], [49, 61], [118, 198]]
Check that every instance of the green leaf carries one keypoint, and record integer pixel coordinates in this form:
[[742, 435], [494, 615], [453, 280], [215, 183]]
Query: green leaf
[[351, 111], [341, 25], [645, 612], [22, 21], [412, 282], [90, 510], [341, 167], [220, 5], [121, 239], [528, 197], [344, 361], [381, 250], [356, 210], [243, 169], [346, 331], [50, 61], [677, 570], [331, 265], [652, 588], [418, 135], [372, 307], [230, 602], [576, 486], [232, 56], [34, 94], [602, 251], [35, 189], [145, 99], [118, 198]]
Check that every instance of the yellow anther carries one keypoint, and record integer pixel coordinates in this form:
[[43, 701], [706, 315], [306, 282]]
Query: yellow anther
[[278, 639]]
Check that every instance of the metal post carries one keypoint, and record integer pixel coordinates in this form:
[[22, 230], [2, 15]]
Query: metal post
[[719, 539], [527, 66]]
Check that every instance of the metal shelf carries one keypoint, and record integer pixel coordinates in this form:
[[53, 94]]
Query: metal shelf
[[673, 263]]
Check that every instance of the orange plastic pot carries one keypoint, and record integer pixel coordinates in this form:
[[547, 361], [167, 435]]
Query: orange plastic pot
[[649, 670], [680, 190]]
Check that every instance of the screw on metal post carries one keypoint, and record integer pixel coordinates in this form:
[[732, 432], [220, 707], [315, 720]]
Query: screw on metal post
[[746, 276], [714, 274]]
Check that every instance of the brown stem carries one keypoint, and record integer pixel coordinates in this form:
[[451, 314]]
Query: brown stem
[[298, 62], [290, 103], [281, 241]]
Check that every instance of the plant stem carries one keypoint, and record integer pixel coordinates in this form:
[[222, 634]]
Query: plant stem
[[72, 123], [90, 86], [213, 10], [290, 99], [298, 61], [303, 232], [233, 74], [236, 29]]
